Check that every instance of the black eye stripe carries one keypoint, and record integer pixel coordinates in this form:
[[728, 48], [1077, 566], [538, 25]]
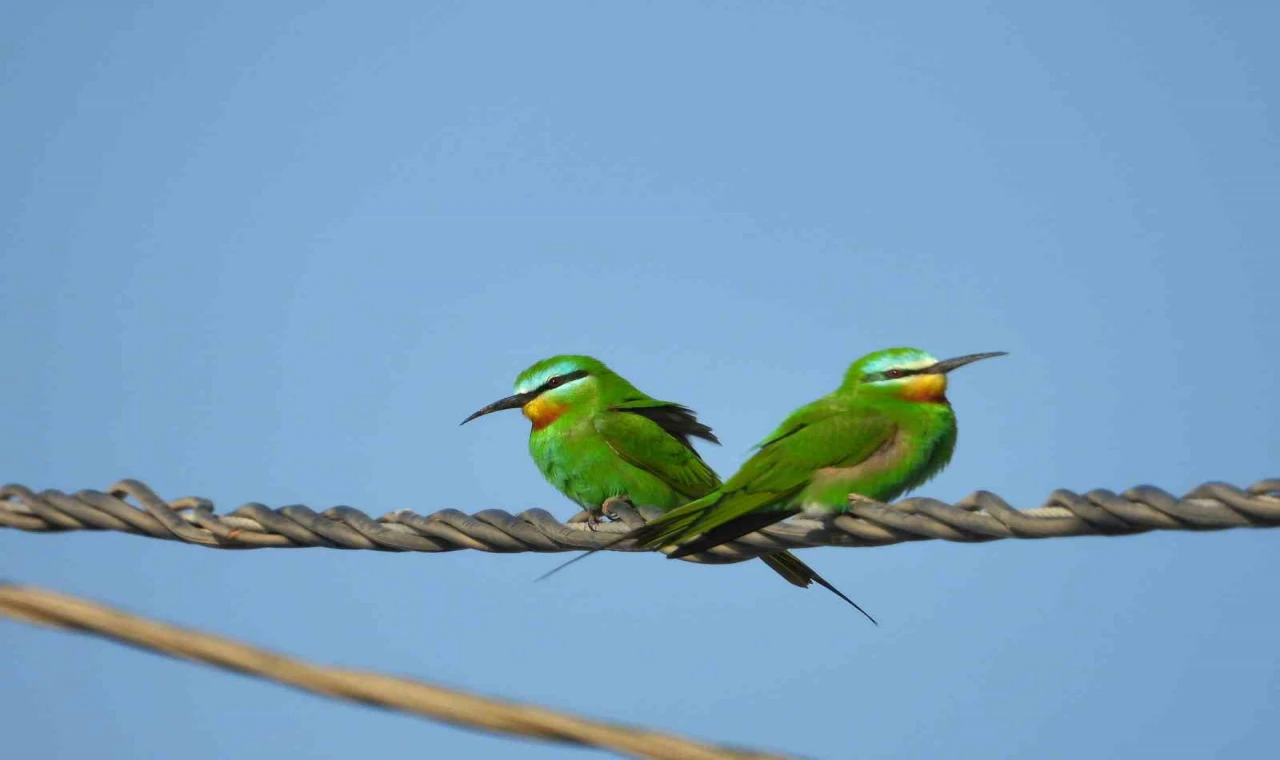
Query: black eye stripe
[[877, 376], [559, 380]]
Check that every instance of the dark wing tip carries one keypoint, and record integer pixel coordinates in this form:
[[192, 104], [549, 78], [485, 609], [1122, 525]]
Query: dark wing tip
[[677, 420], [695, 428], [706, 434]]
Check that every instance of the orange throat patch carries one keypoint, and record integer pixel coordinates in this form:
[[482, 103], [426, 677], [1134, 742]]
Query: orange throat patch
[[542, 412], [926, 388]]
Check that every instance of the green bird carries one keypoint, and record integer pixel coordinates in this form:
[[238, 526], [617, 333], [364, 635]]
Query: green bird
[[887, 429], [595, 436]]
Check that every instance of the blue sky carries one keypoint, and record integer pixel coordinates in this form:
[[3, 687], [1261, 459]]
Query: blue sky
[[276, 252]]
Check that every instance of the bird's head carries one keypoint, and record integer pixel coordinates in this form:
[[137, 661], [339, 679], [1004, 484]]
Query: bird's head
[[908, 374], [552, 387]]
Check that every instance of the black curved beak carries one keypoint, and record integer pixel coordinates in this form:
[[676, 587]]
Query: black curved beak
[[510, 402], [945, 366]]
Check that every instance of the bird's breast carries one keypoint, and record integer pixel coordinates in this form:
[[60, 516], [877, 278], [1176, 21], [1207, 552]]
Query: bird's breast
[[932, 387]]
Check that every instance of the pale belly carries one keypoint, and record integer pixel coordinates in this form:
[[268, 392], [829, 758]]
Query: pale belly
[[829, 488]]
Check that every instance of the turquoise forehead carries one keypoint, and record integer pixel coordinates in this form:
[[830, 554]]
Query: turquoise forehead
[[901, 358], [546, 369]]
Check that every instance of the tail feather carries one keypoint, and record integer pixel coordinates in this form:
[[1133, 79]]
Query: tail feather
[[702, 540], [793, 570], [790, 567], [668, 528]]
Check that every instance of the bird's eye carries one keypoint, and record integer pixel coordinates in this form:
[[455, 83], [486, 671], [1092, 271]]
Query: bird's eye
[[893, 373], [553, 382]]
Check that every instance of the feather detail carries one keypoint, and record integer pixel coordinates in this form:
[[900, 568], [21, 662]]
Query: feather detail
[[677, 420]]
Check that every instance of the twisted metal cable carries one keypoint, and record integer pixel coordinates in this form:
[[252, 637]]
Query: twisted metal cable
[[447, 705], [981, 516]]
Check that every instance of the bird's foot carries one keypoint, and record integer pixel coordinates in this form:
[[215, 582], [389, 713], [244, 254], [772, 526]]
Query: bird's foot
[[857, 498], [607, 508], [589, 516]]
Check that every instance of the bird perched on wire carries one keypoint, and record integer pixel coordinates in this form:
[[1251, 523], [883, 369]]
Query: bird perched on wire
[[887, 429], [596, 437]]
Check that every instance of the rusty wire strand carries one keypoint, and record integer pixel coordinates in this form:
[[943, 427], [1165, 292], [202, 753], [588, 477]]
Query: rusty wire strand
[[451, 706]]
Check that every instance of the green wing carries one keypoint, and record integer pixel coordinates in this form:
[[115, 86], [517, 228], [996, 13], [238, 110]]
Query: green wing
[[677, 420], [816, 436], [647, 445], [820, 435]]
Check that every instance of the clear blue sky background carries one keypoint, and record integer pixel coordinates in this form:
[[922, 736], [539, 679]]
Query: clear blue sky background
[[276, 251]]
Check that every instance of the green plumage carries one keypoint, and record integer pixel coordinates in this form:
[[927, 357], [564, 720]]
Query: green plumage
[[887, 429], [602, 450], [595, 436]]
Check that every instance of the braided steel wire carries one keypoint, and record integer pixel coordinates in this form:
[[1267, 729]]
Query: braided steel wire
[[130, 506]]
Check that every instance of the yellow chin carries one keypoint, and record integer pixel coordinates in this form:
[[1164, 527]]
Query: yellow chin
[[925, 388], [542, 412]]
